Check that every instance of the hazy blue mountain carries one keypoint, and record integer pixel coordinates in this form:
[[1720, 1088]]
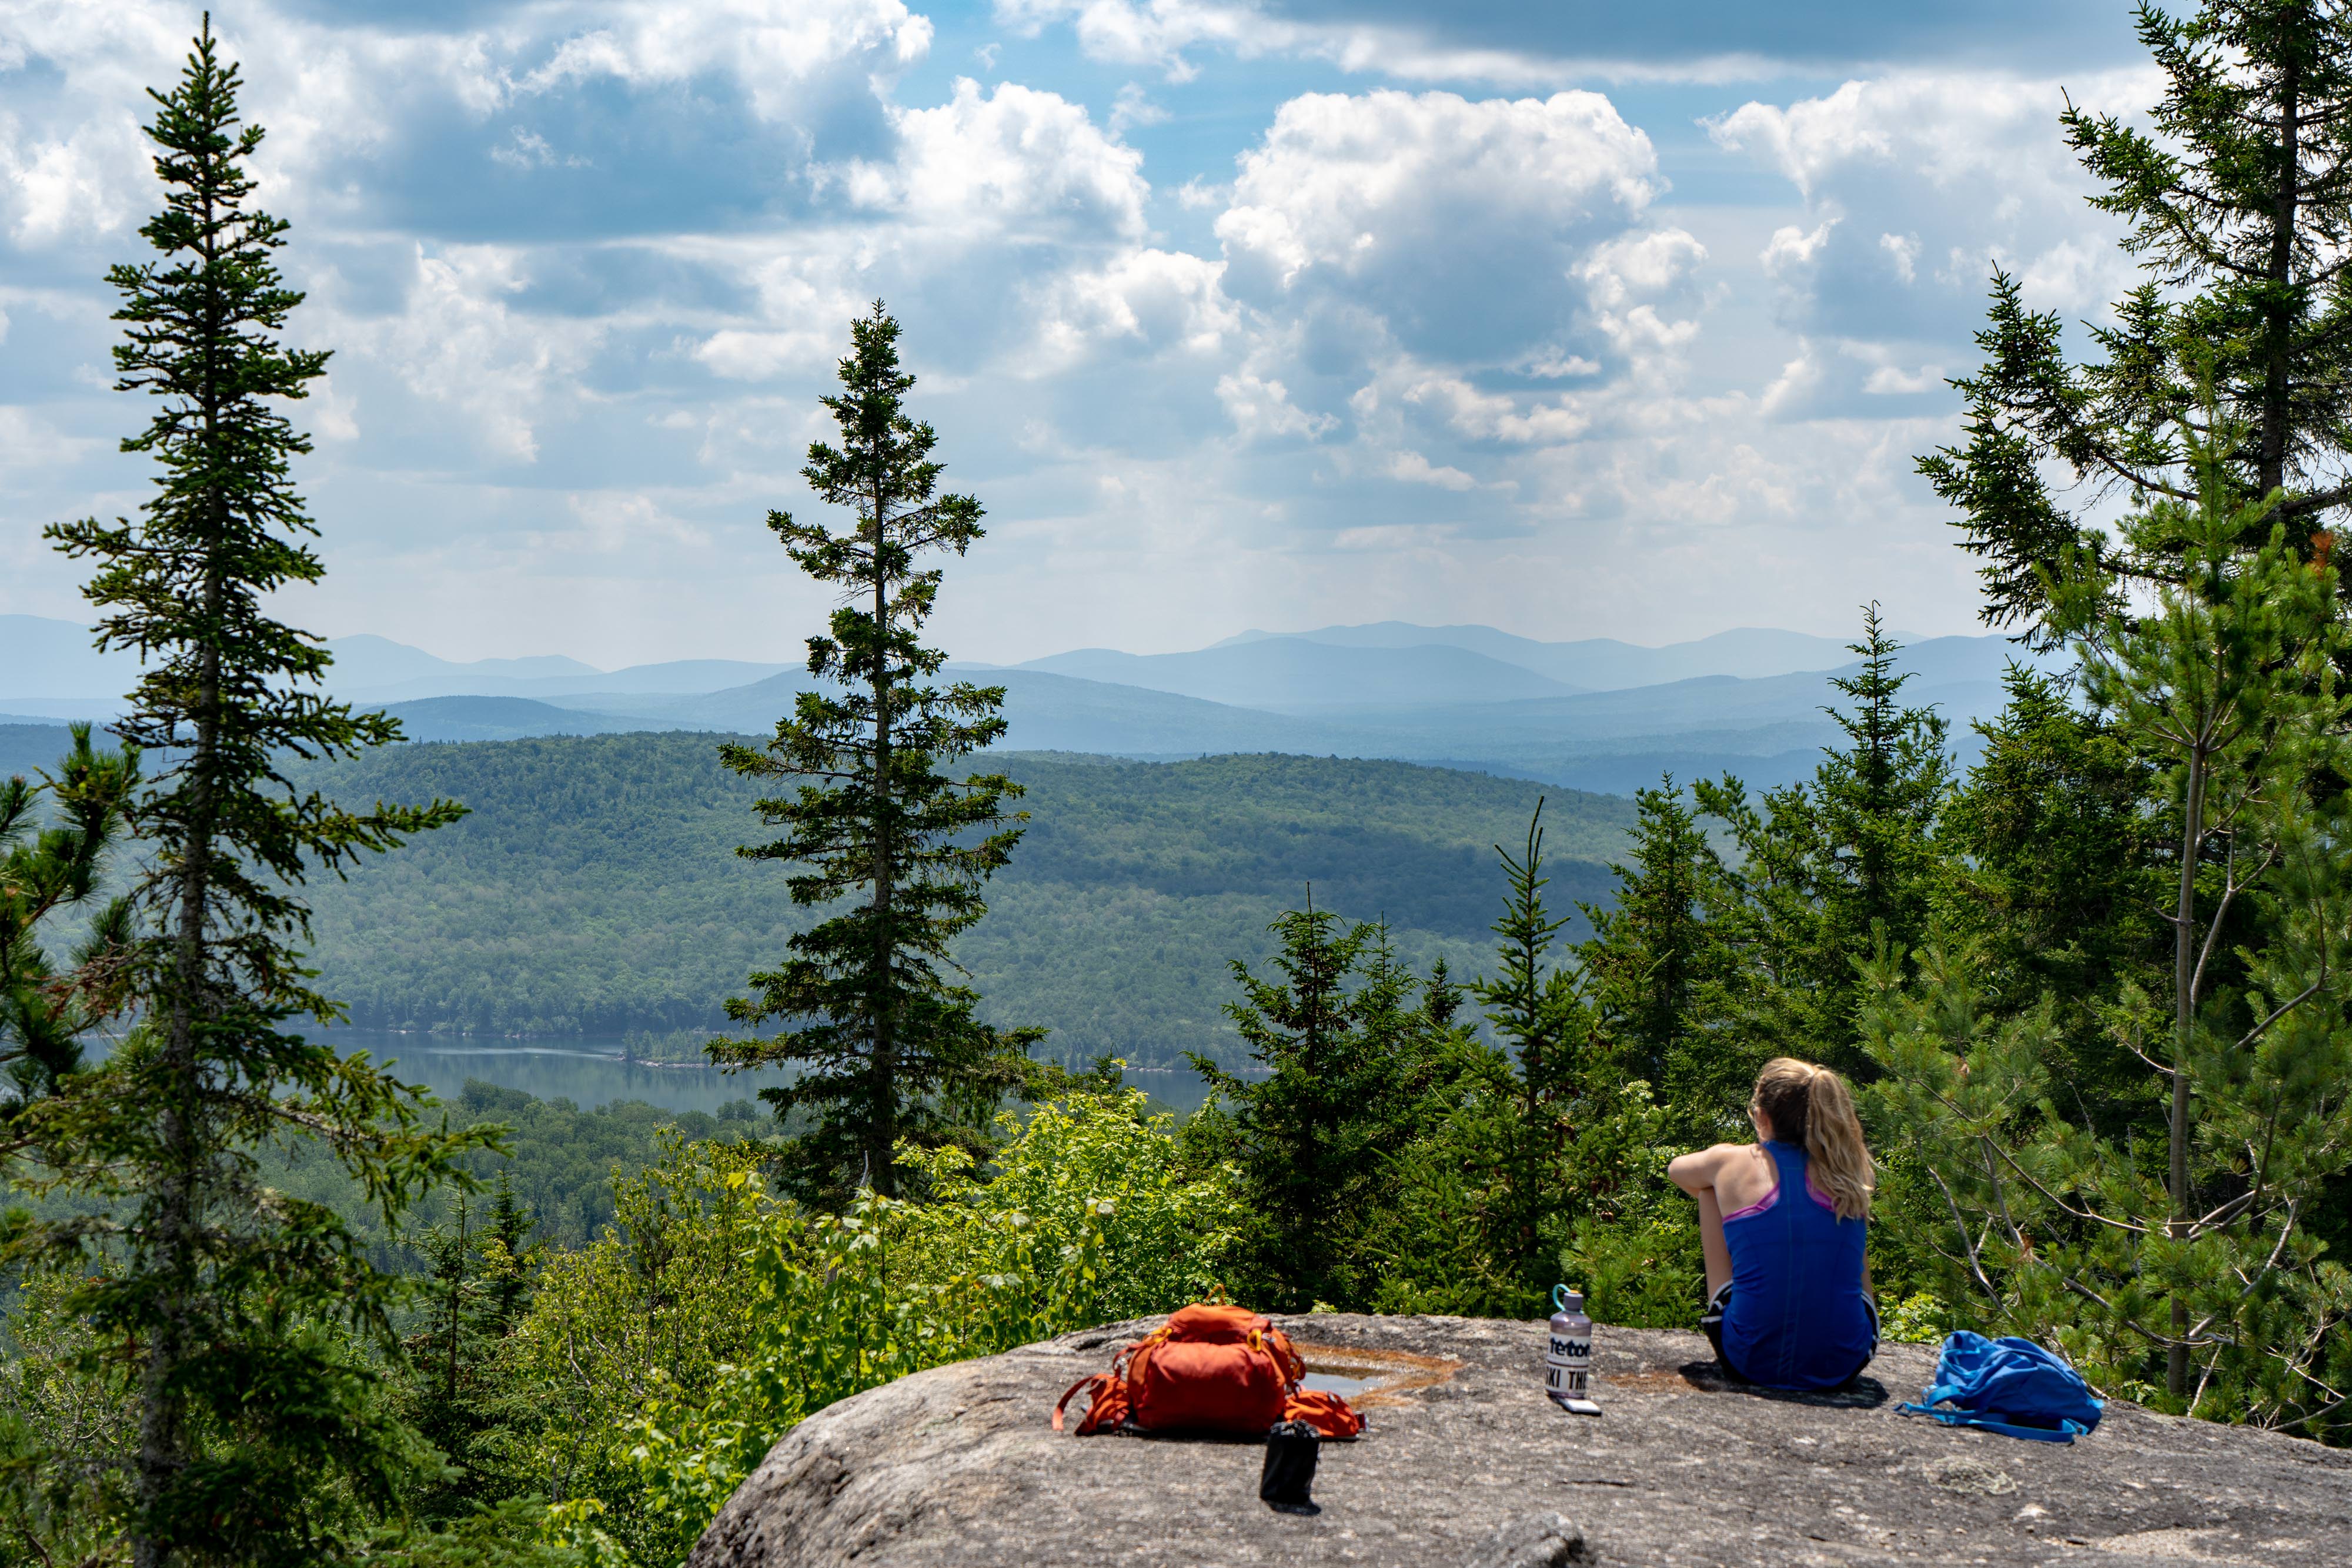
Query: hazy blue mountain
[[1291, 674], [367, 663], [25, 748], [40, 657], [676, 676], [507, 718], [1047, 712], [377, 670], [595, 688], [1963, 675], [1598, 663], [59, 710], [1423, 703]]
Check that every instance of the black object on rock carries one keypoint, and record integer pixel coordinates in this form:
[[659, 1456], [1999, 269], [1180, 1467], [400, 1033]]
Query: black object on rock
[[1291, 1448]]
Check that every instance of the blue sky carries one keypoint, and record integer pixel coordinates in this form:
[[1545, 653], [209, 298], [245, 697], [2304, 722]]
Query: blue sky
[[1575, 320]]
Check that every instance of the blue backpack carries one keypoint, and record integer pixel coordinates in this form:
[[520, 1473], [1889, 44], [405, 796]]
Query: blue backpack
[[2011, 1385]]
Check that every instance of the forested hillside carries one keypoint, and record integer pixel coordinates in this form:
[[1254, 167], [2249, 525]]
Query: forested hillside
[[594, 887]]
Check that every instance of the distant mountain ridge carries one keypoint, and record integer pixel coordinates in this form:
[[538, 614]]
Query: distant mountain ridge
[[1596, 664], [1295, 674], [1364, 692]]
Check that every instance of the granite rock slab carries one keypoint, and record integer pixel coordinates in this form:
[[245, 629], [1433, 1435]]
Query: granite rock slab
[[1466, 1463]]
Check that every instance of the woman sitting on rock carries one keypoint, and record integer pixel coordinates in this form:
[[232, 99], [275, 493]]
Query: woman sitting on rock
[[1782, 1223]]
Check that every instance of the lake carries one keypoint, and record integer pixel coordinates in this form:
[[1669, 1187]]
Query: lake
[[589, 1070]]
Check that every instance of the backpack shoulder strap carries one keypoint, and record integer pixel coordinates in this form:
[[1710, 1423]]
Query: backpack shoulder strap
[[1287, 1359], [1092, 1380], [2066, 1431]]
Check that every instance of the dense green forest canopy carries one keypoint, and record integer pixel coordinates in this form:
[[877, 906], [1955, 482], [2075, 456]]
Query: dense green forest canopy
[[594, 888]]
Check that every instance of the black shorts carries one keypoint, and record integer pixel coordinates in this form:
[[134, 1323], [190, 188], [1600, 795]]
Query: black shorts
[[1710, 1323]]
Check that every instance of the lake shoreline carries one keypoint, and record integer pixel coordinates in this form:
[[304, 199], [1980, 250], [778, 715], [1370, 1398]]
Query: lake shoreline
[[596, 1070]]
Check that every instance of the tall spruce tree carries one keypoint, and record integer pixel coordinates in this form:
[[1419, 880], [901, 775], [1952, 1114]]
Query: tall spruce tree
[[2054, 874], [1660, 970], [1305, 1135], [1876, 800], [1557, 1078], [262, 1430], [2176, 1259], [1832, 867], [888, 1044], [2239, 198]]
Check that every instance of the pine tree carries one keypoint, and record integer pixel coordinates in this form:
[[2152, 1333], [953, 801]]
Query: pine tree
[[1538, 1010], [2238, 195], [1877, 799], [1299, 1133], [2056, 875], [888, 1045], [45, 872], [2177, 1258], [261, 1429], [1834, 867], [1659, 970], [476, 1287]]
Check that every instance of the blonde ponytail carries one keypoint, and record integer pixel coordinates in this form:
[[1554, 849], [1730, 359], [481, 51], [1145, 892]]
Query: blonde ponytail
[[1807, 1104]]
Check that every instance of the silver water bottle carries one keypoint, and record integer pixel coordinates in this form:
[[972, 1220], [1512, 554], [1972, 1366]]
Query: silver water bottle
[[1568, 1356]]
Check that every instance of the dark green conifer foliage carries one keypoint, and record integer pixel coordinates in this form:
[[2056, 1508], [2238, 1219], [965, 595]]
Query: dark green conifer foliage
[[261, 1430], [1535, 1002], [1833, 867], [45, 871], [478, 1269], [1298, 1133], [1660, 970], [886, 1042], [2239, 198], [2053, 848], [1877, 800], [1355, 1050]]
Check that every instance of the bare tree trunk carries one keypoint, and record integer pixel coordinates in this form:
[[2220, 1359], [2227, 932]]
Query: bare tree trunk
[[2278, 323], [457, 1304], [176, 1199], [883, 1138], [2184, 1015]]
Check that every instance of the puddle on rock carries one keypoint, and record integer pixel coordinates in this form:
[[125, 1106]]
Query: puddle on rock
[[1368, 1378], [1333, 1383]]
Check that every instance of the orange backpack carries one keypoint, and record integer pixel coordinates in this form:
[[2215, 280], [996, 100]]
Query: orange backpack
[[1208, 1369]]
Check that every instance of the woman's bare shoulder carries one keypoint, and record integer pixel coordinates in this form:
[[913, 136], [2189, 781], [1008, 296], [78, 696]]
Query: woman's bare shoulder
[[1705, 1163]]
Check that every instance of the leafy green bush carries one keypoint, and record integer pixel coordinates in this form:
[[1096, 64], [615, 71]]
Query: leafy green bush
[[668, 1357]]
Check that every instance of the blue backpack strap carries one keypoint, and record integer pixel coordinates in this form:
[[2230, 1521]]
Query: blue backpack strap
[[2066, 1431]]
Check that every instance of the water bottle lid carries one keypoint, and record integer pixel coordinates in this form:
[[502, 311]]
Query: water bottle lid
[[1567, 1300]]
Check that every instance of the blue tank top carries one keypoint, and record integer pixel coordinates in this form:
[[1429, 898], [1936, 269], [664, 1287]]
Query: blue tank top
[[1798, 1317]]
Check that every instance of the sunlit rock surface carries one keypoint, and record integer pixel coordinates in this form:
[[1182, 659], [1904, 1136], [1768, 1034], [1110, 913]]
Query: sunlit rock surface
[[1466, 1463]]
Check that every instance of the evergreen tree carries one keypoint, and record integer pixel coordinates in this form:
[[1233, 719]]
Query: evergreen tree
[[2179, 1266], [888, 1044], [45, 872], [1300, 1135], [1558, 1074], [261, 1429], [1832, 868], [2054, 874], [476, 1289], [1659, 970], [2239, 195], [508, 1258], [1877, 799]]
